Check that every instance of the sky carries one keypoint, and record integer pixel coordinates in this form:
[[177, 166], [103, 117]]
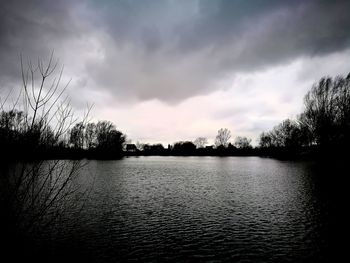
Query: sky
[[172, 70]]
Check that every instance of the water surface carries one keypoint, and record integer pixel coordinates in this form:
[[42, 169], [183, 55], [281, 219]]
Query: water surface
[[245, 209]]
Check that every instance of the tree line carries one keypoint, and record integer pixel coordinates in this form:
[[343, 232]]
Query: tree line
[[200, 147], [322, 128], [41, 124], [19, 140]]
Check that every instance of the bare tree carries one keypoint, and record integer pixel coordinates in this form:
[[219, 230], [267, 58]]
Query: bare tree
[[327, 110], [288, 134], [200, 142], [77, 135], [243, 142], [33, 192], [90, 135], [140, 145], [223, 137]]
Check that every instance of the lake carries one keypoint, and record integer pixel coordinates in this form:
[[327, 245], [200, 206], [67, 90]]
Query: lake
[[236, 209]]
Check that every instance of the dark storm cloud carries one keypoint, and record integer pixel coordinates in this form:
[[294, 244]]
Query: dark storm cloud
[[173, 51], [251, 34], [31, 27], [169, 50]]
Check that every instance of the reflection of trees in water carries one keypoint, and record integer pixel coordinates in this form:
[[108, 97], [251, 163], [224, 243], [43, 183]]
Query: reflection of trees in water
[[38, 193]]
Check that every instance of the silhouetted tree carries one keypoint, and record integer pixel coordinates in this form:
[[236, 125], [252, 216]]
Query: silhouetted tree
[[140, 146], [243, 143], [200, 142], [32, 192], [77, 135], [12, 129], [108, 138], [265, 140], [90, 135], [184, 148], [222, 138], [287, 134], [327, 111]]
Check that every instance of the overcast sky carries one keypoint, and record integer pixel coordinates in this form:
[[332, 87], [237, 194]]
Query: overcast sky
[[165, 71]]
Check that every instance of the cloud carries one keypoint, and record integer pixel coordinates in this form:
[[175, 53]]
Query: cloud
[[168, 50], [169, 70], [251, 103], [172, 57]]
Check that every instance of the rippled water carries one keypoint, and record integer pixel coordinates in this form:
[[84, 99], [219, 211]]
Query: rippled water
[[244, 209]]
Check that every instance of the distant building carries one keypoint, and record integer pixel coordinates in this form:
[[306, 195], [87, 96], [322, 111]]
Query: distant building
[[211, 147], [130, 147]]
